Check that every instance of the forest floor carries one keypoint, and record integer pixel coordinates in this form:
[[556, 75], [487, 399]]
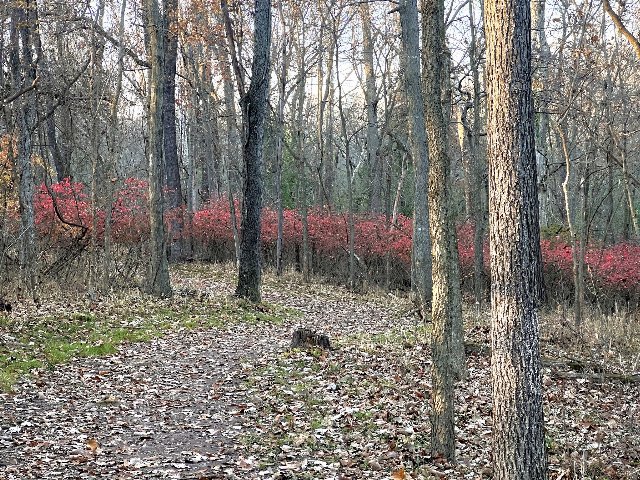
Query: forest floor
[[203, 386]]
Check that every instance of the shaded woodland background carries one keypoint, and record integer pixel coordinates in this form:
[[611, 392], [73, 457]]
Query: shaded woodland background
[[76, 86]]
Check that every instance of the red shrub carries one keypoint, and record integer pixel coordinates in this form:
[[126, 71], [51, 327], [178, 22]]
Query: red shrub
[[61, 206]]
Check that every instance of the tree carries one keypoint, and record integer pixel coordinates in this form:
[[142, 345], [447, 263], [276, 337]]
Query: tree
[[371, 100], [254, 111], [446, 314], [617, 21], [157, 281], [518, 420], [421, 248], [24, 82], [170, 147]]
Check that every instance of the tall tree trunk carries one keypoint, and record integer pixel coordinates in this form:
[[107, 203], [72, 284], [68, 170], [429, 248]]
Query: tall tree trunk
[[518, 420], [232, 141], [97, 163], [479, 184], [445, 307], [325, 93], [24, 74], [282, 84], [114, 149], [421, 248], [157, 281], [300, 159], [371, 99], [543, 52], [349, 166], [576, 252], [170, 144], [254, 108]]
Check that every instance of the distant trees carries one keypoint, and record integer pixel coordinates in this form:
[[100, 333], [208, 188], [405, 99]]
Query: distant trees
[[89, 121], [518, 420]]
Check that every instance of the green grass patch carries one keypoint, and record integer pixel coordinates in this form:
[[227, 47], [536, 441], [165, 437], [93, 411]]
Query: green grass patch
[[44, 340]]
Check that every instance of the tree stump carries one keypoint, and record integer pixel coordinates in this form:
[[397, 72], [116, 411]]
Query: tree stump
[[304, 337], [5, 306]]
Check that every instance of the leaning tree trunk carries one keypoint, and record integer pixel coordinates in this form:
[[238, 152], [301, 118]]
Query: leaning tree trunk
[[254, 108], [421, 248], [157, 281], [518, 420]]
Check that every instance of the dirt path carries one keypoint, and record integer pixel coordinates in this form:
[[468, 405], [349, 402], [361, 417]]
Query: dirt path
[[168, 408], [235, 403]]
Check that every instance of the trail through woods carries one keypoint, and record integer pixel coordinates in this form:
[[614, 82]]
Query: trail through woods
[[234, 402]]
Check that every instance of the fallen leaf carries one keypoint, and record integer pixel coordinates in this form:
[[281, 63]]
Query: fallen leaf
[[399, 474]]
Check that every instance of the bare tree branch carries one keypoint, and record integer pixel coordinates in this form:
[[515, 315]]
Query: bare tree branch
[[617, 21]]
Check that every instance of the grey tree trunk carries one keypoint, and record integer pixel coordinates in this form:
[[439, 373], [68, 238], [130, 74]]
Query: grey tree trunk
[[157, 281], [24, 74], [349, 166], [543, 52], [232, 150], [97, 163], [170, 145], [479, 184], [371, 100], [514, 230], [325, 92], [282, 84], [115, 150], [299, 129], [577, 256], [421, 248], [445, 309], [254, 108]]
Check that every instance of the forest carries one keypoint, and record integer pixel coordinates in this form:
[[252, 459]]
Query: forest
[[332, 239]]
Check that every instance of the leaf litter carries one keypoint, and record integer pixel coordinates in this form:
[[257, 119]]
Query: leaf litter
[[230, 400]]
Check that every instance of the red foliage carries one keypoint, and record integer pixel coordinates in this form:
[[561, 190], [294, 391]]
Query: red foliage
[[130, 212], [613, 270], [213, 223], [61, 206]]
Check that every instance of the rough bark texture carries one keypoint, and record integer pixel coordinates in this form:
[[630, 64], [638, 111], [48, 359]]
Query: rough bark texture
[[23, 70], [157, 281], [254, 107], [171, 162], [282, 84], [371, 99], [421, 248], [445, 300], [518, 422]]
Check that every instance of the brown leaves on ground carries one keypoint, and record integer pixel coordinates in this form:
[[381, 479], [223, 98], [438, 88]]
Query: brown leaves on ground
[[230, 400]]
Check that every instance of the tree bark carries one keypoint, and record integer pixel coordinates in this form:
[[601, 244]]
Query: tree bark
[[157, 281], [24, 74], [543, 52], [170, 144], [371, 100], [445, 308], [518, 420], [282, 84], [421, 248], [254, 107]]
